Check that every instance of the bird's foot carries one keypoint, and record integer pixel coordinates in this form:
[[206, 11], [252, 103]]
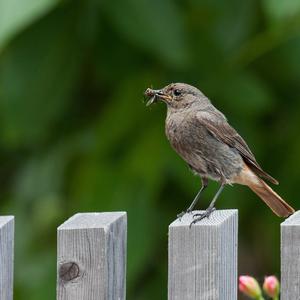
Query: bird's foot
[[179, 216], [201, 216]]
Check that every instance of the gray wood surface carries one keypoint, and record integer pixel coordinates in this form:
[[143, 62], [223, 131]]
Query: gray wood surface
[[92, 257], [290, 258], [6, 257], [203, 258]]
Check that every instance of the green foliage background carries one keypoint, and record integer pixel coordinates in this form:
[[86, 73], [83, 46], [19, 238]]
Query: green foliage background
[[75, 134]]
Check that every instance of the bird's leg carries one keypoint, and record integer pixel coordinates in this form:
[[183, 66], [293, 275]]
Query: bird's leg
[[196, 199], [210, 208]]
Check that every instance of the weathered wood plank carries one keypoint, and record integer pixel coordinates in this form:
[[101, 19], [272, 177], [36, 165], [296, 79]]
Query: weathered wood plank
[[290, 258], [92, 257], [6, 257], [203, 258]]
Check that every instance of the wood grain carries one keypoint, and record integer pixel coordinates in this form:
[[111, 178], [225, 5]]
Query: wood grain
[[203, 258], [6, 257], [290, 258], [92, 257]]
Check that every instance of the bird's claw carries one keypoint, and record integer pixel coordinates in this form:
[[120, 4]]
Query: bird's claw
[[201, 216]]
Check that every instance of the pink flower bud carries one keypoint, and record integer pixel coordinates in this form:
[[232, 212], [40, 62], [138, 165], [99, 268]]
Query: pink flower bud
[[271, 286], [250, 287]]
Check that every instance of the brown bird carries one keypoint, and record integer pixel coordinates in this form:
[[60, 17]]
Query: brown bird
[[201, 135]]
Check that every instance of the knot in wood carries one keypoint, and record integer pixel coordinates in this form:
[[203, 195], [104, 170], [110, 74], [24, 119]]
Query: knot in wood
[[68, 271]]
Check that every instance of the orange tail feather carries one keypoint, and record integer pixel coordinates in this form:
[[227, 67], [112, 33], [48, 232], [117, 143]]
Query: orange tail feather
[[272, 199]]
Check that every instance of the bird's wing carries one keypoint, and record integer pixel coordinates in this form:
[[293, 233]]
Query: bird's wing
[[223, 132]]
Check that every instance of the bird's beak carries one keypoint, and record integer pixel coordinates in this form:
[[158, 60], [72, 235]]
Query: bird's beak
[[155, 95]]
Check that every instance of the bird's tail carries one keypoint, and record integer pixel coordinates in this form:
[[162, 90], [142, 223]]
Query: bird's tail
[[272, 199]]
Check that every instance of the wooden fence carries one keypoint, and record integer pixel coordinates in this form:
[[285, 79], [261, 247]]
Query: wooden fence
[[91, 257]]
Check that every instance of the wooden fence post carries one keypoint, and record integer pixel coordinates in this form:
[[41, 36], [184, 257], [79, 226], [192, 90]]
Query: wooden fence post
[[290, 258], [203, 258], [92, 257], [6, 257]]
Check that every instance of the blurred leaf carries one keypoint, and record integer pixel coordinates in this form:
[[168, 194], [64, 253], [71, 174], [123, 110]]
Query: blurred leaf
[[41, 177], [15, 15], [284, 60], [160, 27], [37, 90], [242, 93], [278, 10], [221, 22]]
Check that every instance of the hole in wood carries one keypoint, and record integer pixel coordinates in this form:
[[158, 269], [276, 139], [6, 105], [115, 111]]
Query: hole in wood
[[69, 271]]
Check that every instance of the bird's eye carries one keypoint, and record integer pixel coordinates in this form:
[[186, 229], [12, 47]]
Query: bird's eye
[[177, 92]]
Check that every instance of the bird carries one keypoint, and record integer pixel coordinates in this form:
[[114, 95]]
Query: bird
[[211, 147]]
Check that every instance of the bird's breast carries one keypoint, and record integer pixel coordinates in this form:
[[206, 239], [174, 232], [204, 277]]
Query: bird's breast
[[179, 131]]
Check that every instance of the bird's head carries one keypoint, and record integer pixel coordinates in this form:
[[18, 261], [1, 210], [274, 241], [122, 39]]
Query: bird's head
[[176, 95]]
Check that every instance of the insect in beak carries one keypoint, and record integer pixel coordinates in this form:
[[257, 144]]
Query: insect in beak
[[152, 94], [152, 100], [156, 95]]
